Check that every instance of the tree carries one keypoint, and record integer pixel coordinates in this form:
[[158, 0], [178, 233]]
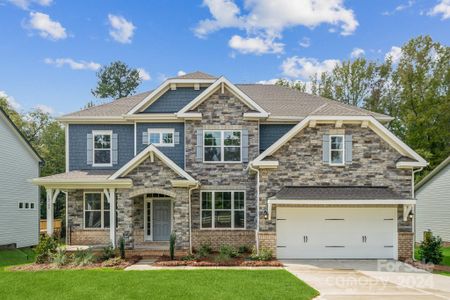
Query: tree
[[116, 81], [11, 112], [297, 85]]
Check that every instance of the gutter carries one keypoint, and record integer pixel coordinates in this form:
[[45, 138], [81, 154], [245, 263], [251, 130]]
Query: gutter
[[414, 221], [257, 205]]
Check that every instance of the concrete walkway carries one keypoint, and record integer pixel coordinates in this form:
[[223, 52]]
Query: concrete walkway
[[369, 279]]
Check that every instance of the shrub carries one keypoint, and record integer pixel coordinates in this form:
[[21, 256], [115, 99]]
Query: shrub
[[112, 262], [108, 252], [204, 250], [430, 250], [243, 249], [60, 257], [83, 257], [264, 254], [122, 248], [189, 257], [173, 238], [45, 249], [230, 251]]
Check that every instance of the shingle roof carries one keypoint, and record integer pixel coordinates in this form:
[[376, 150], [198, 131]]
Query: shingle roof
[[195, 75], [277, 100], [337, 193], [81, 174]]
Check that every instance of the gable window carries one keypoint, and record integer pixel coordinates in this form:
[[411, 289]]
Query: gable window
[[224, 209], [96, 210], [222, 145], [161, 137], [102, 150], [337, 149]]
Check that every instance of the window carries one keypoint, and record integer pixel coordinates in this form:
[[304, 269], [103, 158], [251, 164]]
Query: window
[[222, 146], [20, 205], [225, 209], [26, 205], [161, 137], [96, 210], [336, 149], [102, 148]]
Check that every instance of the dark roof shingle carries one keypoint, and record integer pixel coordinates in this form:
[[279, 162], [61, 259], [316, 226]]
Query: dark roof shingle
[[337, 193]]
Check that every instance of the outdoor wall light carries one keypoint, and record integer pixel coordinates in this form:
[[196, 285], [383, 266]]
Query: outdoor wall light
[[266, 215]]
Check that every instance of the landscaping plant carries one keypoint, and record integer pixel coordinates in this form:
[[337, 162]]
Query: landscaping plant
[[60, 257], [83, 257], [122, 248], [228, 250], [108, 252], [243, 249], [112, 262], [430, 249], [264, 254], [173, 238], [45, 249], [204, 250]]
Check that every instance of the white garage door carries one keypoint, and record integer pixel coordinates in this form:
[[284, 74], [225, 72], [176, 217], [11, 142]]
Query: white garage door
[[336, 232]]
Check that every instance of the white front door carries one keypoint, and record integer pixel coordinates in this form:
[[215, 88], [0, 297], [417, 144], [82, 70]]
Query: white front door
[[336, 233]]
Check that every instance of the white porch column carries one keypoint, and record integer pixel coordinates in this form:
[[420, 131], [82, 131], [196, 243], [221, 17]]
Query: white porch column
[[51, 198], [110, 195]]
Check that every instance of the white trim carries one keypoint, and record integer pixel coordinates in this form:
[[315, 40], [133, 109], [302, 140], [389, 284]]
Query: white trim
[[82, 183], [151, 149], [150, 117], [162, 131], [102, 132], [66, 146], [232, 210], [148, 237], [337, 150], [135, 139], [93, 120], [375, 125], [266, 164], [102, 210], [222, 146], [219, 84]]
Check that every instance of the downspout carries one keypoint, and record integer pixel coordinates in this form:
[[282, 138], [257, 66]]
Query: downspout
[[190, 217], [257, 206], [414, 220]]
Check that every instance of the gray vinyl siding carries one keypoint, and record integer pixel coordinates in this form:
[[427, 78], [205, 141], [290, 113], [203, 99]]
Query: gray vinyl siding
[[270, 133], [175, 153], [433, 206], [18, 166], [173, 101], [78, 145]]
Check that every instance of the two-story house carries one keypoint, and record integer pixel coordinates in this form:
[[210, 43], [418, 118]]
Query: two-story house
[[240, 164]]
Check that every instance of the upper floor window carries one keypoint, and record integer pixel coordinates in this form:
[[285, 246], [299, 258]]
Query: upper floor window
[[222, 145], [337, 150], [96, 210], [102, 149], [161, 137]]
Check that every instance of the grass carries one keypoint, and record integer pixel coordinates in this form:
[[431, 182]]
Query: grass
[[445, 260], [16, 257], [164, 284]]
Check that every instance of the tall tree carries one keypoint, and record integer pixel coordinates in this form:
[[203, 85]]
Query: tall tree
[[116, 80]]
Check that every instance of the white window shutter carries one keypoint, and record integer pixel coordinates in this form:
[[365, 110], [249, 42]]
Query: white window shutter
[[348, 149], [176, 137], [244, 145], [199, 146], [90, 145], [145, 137], [114, 148], [326, 148]]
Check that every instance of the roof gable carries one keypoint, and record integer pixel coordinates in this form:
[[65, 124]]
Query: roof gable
[[195, 75], [433, 173], [171, 101]]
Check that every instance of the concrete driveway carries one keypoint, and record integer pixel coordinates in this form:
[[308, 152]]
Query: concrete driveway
[[369, 279]]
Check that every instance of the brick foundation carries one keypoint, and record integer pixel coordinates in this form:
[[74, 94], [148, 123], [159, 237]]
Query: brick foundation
[[89, 237], [217, 238], [405, 245], [268, 240]]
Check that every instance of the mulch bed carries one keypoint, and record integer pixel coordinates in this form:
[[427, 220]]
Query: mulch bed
[[49, 266], [430, 267], [164, 261]]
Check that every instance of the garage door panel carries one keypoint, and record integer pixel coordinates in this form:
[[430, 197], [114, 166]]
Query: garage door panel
[[336, 232]]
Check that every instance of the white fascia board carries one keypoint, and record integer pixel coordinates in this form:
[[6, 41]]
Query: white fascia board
[[163, 117], [82, 183], [266, 164], [255, 116], [412, 164], [93, 120], [189, 116], [183, 183]]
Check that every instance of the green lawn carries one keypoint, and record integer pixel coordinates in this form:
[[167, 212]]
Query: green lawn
[[166, 284], [445, 251]]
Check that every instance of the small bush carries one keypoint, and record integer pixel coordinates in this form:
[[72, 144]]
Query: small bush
[[122, 248], [430, 250], [204, 250], [189, 257], [108, 252], [243, 249], [83, 257], [264, 254], [45, 249], [172, 241], [230, 251], [60, 257], [112, 262]]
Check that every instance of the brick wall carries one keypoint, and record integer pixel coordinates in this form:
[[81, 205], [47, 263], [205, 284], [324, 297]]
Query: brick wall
[[217, 238], [268, 240], [405, 245], [89, 237]]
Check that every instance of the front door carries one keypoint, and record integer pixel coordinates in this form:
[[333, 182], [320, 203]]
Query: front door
[[162, 220]]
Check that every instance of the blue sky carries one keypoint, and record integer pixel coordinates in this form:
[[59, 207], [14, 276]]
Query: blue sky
[[52, 48]]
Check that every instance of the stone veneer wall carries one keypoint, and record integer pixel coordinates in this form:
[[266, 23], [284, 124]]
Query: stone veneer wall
[[300, 163], [222, 111]]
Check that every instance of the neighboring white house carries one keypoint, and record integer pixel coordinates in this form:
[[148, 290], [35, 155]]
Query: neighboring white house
[[19, 198], [433, 203]]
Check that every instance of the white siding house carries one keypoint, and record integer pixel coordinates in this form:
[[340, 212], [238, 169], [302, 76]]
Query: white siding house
[[19, 198], [433, 203]]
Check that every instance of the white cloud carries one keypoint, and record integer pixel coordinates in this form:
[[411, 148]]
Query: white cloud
[[46, 27], [45, 108], [13, 102], [357, 52], [304, 67], [395, 54], [144, 75], [267, 19], [442, 8], [305, 42], [121, 30], [25, 4], [255, 45], [181, 73], [268, 81], [73, 64], [400, 7]]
